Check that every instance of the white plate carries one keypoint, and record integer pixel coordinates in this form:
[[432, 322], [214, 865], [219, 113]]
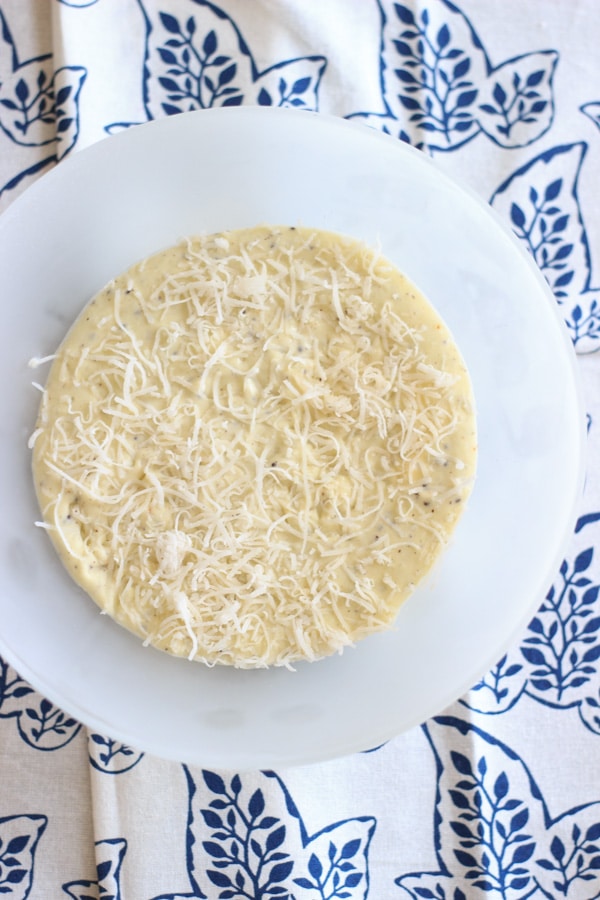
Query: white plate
[[105, 207]]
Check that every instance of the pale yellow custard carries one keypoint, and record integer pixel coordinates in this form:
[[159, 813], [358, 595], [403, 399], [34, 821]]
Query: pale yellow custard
[[252, 446]]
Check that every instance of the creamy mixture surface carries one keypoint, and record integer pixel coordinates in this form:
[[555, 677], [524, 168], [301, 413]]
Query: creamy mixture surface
[[252, 446]]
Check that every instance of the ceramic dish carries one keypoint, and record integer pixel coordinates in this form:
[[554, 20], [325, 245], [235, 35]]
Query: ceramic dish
[[123, 198]]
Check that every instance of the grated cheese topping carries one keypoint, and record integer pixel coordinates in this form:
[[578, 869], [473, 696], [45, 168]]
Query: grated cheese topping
[[252, 446]]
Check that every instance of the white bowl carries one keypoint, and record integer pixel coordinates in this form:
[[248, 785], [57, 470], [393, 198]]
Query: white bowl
[[144, 189]]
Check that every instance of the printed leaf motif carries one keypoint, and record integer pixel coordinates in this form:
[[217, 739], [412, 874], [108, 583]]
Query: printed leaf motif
[[44, 726], [19, 836], [517, 97], [500, 688], [440, 89], [431, 69], [39, 107], [493, 830], [293, 83], [558, 662], [110, 756], [13, 690], [540, 200], [197, 58], [109, 858], [246, 843], [39, 723]]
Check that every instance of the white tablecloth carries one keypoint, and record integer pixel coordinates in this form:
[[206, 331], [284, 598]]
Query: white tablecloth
[[499, 795]]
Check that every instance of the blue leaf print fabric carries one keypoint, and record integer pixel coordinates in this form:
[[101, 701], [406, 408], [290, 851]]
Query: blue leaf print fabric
[[440, 89], [107, 884], [19, 836], [39, 107], [252, 842], [494, 833], [196, 58], [557, 662], [110, 756], [499, 795], [246, 837], [541, 201], [39, 723]]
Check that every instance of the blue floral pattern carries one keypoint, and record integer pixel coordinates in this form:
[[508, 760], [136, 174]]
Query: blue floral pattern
[[249, 840], [440, 90], [110, 756], [39, 108], [542, 204], [107, 885], [19, 836], [557, 661], [40, 724], [494, 835], [246, 839], [197, 58]]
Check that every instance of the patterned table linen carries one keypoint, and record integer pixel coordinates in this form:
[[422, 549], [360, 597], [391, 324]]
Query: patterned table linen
[[498, 796]]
